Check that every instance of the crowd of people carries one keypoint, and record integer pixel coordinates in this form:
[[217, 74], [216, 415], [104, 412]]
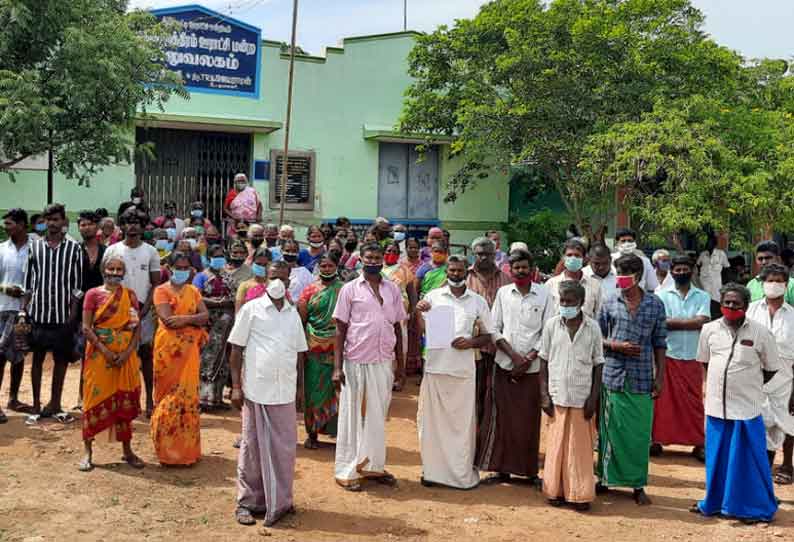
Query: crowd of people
[[616, 348]]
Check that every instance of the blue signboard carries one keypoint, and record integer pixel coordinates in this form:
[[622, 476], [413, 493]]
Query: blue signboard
[[212, 52]]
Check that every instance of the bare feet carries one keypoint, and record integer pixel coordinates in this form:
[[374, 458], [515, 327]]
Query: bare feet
[[19, 406], [133, 461], [641, 498], [311, 443]]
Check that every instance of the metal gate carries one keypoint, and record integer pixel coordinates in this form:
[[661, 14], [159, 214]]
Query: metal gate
[[190, 166], [407, 182]]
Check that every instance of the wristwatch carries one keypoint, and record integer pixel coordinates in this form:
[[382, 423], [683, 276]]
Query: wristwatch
[[78, 294]]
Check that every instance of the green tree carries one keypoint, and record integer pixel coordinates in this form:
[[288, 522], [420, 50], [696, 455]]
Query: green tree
[[530, 82], [72, 74]]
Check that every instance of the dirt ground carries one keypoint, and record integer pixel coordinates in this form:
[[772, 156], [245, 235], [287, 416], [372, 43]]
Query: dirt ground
[[44, 497]]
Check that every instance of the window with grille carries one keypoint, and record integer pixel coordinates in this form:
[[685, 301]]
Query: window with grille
[[300, 180]]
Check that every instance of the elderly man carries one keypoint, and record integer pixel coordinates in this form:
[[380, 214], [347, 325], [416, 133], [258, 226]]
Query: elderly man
[[509, 433], [255, 239], [434, 235], [778, 317], [600, 269], [286, 232], [496, 237], [678, 412], [14, 255], [661, 261], [271, 239], [741, 356], [768, 252], [447, 399], [626, 243], [635, 341], [573, 259], [264, 386], [368, 351], [485, 279]]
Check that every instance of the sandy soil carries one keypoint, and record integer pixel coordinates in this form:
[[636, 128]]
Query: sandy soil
[[43, 497]]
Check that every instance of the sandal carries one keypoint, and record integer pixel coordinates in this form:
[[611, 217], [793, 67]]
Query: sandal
[[134, 461], [695, 509], [311, 444], [64, 417], [244, 516], [85, 465], [387, 480], [353, 487], [556, 502], [19, 406], [699, 453], [783, 476], [3, 417]]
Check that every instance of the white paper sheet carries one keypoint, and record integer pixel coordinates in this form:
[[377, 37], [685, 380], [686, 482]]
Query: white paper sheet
[[440, 326]]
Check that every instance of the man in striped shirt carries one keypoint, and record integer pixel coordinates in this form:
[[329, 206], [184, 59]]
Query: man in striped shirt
[[53, 284]]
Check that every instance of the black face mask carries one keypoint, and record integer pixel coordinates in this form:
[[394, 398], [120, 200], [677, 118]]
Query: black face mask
[[256, 243], [270, 242], [336, 253], [682, 279], [351, 246], [236, 262], [289, 258]]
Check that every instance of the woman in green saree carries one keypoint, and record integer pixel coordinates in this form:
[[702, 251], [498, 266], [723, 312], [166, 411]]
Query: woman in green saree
[[316, 307], [433, 274]]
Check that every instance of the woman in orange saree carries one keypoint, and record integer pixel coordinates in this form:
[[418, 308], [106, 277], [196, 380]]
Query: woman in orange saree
[[111, 384], [180, 335]]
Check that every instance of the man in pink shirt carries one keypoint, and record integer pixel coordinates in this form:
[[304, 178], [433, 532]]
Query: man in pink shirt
[[368, 347]]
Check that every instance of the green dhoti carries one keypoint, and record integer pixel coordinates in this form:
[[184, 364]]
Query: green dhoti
[[624, 438]]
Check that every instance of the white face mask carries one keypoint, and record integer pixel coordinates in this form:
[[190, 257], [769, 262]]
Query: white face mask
[[627, 247], [774, 290], [276, 289], [137, 201]]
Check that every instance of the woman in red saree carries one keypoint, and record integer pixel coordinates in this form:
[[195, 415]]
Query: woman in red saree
[[111, 384], [177, 355]]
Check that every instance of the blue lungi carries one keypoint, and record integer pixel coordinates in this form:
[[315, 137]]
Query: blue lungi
[[738, 476]]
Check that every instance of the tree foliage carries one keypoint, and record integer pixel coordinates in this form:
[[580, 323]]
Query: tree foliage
[[71, 76], [531, 82]]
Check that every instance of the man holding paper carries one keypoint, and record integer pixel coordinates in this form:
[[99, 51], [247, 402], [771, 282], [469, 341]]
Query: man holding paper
[[447, 417], [509, 433]]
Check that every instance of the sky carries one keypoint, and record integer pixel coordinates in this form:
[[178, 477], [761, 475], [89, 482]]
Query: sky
[[754, 28]]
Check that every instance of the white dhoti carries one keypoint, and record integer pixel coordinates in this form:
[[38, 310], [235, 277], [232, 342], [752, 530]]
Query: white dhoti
[[361, 430], [447, 422], [777, 420]]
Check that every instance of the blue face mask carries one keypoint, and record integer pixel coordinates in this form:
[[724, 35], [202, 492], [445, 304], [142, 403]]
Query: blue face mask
[[568, 313], [573, 263], [163, 244], [171, 232], [259, 270], [399, 236], [664, 265], [40, 227], [180, 276], [217, 262], [196, 213]]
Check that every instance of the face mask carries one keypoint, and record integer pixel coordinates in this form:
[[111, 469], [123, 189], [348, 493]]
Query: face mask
[[271, 242], [289, 258], [335, 253], [522, 281], [439, 259], [664, 265], [682, 279], [256, 243], [171, 232], [774, 290], [240, 187], [627, 247], [350, 246], [137, 201], [276, 289], [316, 244], [192, 242], [218, 262], [163, 244], [148, 235], [373, 269], [199, 230], [732, 314], [236, 262], [391, 259], [242, 234], [456, 283], [573, 263], [41, 227], [259, 270], [624, 282], [197, 213], [327, 278], [569, 313], [114, 280], [399, 236], [180, 276]]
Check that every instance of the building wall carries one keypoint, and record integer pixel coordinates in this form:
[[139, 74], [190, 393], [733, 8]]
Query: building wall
[[334, 97]]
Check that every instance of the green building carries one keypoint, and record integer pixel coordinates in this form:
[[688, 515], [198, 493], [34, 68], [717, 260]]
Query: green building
[[345, 157]]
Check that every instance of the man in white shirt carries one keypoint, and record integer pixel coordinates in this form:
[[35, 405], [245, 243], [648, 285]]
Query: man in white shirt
[[710, 264], [447, 418], [600, 269], [741, 356], [778, 317], [509, 433], [573, 259], [264, 386], [662, 262], [626, 243], [142, 263]]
